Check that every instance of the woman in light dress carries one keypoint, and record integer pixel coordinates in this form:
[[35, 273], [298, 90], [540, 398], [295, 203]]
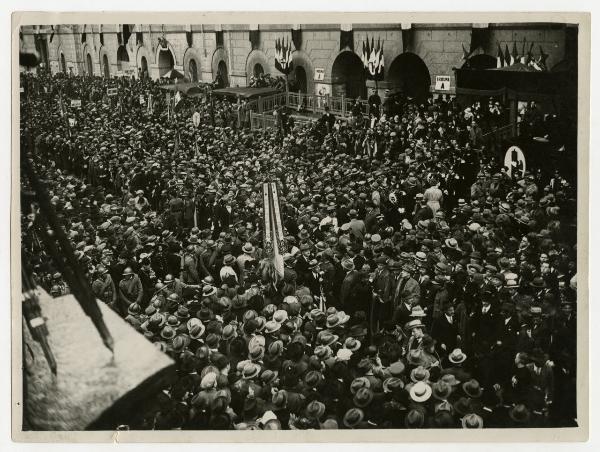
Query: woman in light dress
[[433, 195]]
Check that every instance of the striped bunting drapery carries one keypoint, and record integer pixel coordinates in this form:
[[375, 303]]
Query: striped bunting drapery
[[274, 241]]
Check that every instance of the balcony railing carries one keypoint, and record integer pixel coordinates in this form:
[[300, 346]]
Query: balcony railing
[[261, 109]]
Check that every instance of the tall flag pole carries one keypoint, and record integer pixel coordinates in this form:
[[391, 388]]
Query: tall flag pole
[[507, 57], [523, 58], [283, 59], [499, 58], [515, 55], [373, 60], [530, 54]]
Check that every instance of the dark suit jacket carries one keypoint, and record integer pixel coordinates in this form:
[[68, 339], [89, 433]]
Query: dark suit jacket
[[508, 333], [444, 333], [423, 213], [405, 292], [383, 284], [348, 290], [312, 283], [485, 326], [301, 268], [401, 315]]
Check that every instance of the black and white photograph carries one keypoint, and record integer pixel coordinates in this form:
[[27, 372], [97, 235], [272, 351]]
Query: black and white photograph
[[352, 225]]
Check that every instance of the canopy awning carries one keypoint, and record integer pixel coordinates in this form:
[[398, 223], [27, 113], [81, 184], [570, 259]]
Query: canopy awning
[[187, 88], [245, 92], [518, 78], [173, 74]]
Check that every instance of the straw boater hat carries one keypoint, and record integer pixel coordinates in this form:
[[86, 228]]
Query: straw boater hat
[[457, 356], [420, 392]]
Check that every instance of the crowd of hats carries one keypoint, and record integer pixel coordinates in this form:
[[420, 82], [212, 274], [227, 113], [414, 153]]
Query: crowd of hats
[[253, 355]]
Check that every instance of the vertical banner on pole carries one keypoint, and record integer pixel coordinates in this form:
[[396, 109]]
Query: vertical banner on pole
[[268, 245], [278, 240]]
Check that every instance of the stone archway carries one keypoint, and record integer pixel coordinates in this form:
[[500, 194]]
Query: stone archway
[[104, 62], [219, 55], [191, 64], [258, 70], [193, 70], [222, 74], [256, 63], [409, 73], [144, 67], [122, 59], [348, 76], [299, 80], [89, 64], [165, 62], [303, 67], [142, 58], [105, 66]]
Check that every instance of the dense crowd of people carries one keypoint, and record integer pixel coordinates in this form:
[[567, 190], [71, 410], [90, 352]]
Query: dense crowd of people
[[424, 284]]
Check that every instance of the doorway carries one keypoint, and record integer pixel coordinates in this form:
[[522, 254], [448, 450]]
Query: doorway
[[193, 71], [89, 64], [106, 66], [300, 80], [222, 75], [409, 74], [166, 62], [348, 72]]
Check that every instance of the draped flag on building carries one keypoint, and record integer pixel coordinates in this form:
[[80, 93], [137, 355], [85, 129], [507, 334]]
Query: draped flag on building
[[499, 58], [372, 59], [297, 37], [515, 57], [283, 56], [522, 61]]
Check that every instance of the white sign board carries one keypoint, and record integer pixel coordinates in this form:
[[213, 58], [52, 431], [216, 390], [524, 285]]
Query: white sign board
[[196, 119], [514, 161], [319, 74], [112, 91], [442, 83], [75, 103], [142, 100], [21, 89], [72, 122]]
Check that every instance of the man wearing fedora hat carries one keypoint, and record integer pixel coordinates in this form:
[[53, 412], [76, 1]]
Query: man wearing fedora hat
[[445, 331], [349, 288], [406, 293], [382, 287], [247, 255]]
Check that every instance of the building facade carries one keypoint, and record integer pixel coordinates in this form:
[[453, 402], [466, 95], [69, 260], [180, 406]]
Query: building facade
[[326, 58]]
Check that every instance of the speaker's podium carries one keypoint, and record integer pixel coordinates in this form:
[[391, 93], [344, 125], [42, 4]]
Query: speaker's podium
[[92, 389]]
